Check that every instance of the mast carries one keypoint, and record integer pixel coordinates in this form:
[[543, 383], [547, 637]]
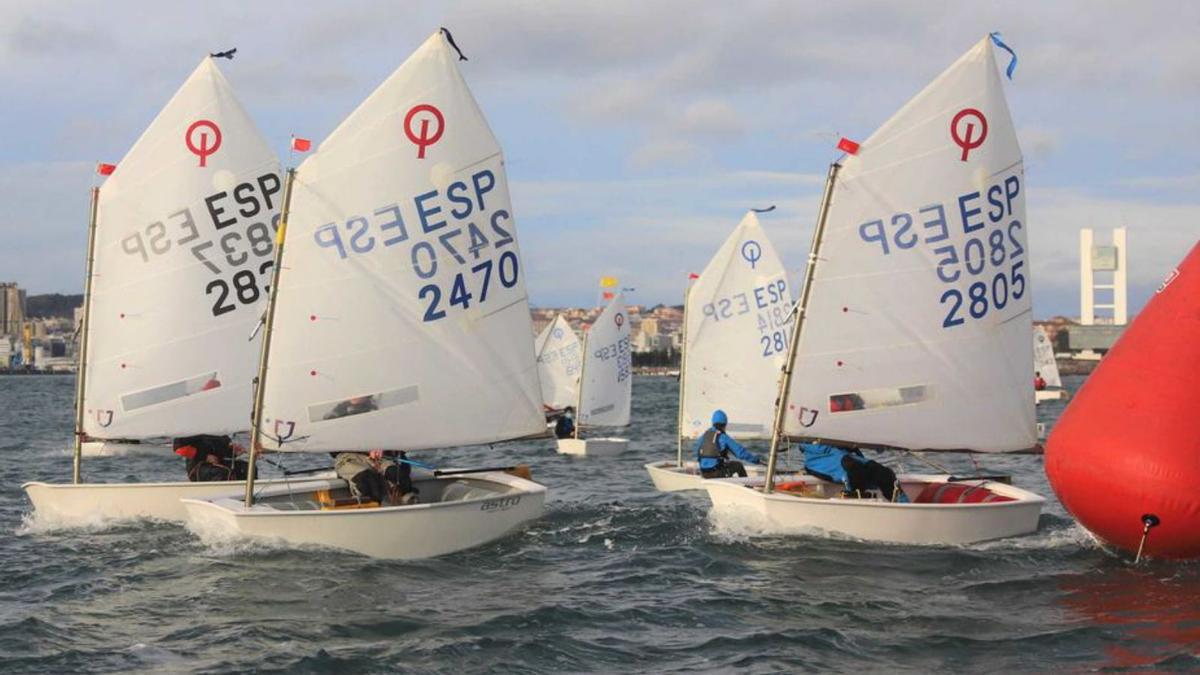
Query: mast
[[682, 375], [582, 381], [265, 350], [785, 382], [82, 346]]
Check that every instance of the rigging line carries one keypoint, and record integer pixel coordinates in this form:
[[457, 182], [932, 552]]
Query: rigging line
[[930, 462]]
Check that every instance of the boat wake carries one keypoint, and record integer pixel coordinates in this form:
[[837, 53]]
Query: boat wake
[[48, 523]]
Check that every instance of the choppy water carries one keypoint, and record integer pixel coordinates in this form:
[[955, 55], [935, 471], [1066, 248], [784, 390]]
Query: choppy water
[[616, 577]]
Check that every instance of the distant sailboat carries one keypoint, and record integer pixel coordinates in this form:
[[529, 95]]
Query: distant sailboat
[[559, 361], [605, 384], [1046, 367], [914, 322], [398, 319], [737, 317], [179, 260]]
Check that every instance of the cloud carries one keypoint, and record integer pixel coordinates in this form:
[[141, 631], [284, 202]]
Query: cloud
[[669, 152], [636, 132], [1187, 182]]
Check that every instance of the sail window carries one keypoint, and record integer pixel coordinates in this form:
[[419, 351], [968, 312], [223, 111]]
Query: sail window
[[362, 404], [170, 392], [887, 397]]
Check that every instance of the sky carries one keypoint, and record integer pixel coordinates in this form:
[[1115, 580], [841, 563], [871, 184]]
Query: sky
[[636, 133]]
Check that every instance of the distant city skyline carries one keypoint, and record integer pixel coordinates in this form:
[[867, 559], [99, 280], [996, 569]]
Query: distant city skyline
[[632, 151]]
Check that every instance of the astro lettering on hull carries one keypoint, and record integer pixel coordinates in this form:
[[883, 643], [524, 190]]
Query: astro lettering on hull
[[233, 238], [502, 504], [459, 242], [978, 244]]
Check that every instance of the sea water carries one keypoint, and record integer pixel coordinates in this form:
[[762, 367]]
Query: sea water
[[615, 577]]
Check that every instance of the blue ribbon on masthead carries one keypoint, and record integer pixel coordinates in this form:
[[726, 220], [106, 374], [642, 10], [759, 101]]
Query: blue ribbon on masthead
[[1012, 65]]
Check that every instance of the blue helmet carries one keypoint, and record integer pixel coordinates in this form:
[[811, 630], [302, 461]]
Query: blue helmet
[[719, 417]]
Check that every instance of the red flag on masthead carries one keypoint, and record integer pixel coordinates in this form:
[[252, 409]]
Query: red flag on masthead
[[848, 146], [693, 275], [301, 144], [105, 169]]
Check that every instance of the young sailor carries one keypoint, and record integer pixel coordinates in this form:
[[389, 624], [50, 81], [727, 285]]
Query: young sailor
[[210, 458], [1039, 382], [565, 426], [714, 446], [856, 473], [361, 472]]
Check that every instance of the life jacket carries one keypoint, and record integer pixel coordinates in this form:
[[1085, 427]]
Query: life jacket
[[709, 447]]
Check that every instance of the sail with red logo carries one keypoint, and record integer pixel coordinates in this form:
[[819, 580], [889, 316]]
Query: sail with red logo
[[398, 320], [1123, 457], [913, 327]]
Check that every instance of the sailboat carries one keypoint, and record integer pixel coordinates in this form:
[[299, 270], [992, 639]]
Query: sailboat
[[736, 318], [605, 383], [180, 244], [913, 326], [398, 318], [559, 361], [1045, 365]]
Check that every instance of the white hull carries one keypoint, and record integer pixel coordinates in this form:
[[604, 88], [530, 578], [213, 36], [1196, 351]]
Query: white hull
[[592, 447], [88, 503], [875, 519], [1050, 395], [119, 449], [669, 477], [462, 512]]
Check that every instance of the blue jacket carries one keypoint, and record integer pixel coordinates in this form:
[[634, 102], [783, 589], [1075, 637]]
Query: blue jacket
[[726, 444], [825, 461], [564, 427]]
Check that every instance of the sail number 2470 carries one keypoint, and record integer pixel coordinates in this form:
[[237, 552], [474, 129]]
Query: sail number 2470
[[459, 242]]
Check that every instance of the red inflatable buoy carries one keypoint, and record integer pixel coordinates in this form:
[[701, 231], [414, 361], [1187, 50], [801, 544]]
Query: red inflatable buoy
[[1126, 452]]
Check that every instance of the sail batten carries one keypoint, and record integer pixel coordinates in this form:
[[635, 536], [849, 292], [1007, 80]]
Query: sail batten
[[919, 315], [402, 319], [183, 249]]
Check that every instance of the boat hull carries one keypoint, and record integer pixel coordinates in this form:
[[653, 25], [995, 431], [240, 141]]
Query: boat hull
[[120, 449], [669, 477], [1050, 395], [592, 447], [878, 520], [87, 503], [500, 504]]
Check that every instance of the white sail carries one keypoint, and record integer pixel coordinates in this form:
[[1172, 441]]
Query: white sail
[[184, 245], [917, 330], [1043, 358], [607, 386], [559, 359], [402, 319], [737, 333]]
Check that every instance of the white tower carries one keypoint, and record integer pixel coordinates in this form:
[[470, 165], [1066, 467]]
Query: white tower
[[1102, 268]]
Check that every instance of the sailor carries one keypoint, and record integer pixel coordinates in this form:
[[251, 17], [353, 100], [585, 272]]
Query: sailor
[[362, 474], [210, 458], [565, 426], [713, 448], [856, 473], [398, 475], [1039, 382]]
